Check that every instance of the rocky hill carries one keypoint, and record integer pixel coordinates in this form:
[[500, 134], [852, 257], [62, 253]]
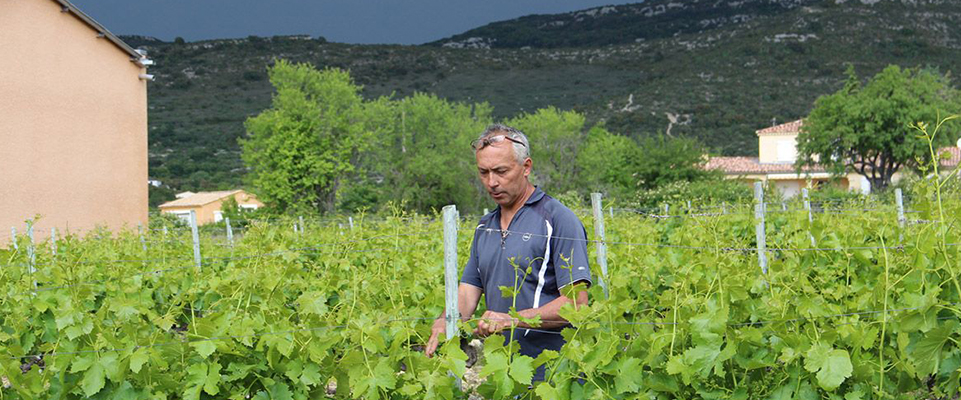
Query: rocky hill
[[716, 70]]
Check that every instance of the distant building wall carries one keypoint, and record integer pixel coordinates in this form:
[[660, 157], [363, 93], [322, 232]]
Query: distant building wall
[[73, 123], [209, 212]]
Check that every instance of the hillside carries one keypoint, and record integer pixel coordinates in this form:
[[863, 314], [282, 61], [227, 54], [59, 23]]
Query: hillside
[[715, 70]]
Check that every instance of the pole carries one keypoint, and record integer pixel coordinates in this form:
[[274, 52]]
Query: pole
[[230, 232], [53, 241], [807, 206], [451, 283], [610, 211], [196, 236], [898, 197], [31, 252], [143, 242], [759, 231], [13, 237], [667, 210], [350, 220], [600, 239], [301, 218]]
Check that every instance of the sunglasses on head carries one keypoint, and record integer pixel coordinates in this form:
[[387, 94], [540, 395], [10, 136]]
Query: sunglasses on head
[[478, 144]]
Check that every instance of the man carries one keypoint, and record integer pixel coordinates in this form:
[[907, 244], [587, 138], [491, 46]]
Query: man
[[529, 231]]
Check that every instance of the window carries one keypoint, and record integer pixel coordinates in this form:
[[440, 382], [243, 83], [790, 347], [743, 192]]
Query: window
[[786, 151]]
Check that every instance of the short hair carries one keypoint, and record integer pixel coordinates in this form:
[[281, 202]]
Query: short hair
[[521, 152]]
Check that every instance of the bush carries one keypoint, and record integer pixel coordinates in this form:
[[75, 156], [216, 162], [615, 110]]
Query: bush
[[708, 191]]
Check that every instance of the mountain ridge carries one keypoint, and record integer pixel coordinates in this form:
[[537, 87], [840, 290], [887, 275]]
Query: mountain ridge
[[718, 84]]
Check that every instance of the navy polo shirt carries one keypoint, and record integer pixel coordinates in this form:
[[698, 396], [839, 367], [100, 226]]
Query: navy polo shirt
[[543, 250]]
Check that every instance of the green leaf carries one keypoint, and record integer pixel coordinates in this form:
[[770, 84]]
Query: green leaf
[[212, 379], [927, 352], [204, 347], [196, 378], [546, 391], [521, 369], [311, 375], [83, 363], [280, 391], [629, 376], [137, 360], [494, 362], [833, 366], [93, 380]]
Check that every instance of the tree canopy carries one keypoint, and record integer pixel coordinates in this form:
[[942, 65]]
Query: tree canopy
[[322, 147], [299, 149], [867, 128]]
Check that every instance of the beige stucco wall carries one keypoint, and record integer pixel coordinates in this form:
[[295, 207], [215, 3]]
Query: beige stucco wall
[[73, 124], [768, 144], [207, 213]]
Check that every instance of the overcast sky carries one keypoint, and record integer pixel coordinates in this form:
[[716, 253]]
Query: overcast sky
[[348, 21]]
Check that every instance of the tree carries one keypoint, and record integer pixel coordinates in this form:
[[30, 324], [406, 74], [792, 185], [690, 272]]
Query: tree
[[666, 159], [423, 154], [866, 129], [607, 162], [554, 136], [299, 149]]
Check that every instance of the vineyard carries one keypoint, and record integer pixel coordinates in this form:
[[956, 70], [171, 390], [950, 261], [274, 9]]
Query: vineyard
[[856, 303]]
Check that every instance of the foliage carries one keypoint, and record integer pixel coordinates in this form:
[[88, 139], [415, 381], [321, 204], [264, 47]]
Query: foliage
[[867, 129], [707, 191], [277, 316], [607, 163], [422, 154], [299, 149], [555, 137], [722, 81], [664, 160]]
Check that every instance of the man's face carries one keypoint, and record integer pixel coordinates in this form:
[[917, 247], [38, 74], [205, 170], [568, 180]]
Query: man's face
[[504, 179]]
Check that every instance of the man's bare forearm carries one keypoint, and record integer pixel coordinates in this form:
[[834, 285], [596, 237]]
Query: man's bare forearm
[[468, 296]]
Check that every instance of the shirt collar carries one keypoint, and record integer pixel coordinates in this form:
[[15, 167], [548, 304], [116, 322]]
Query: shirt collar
[[535, 197]]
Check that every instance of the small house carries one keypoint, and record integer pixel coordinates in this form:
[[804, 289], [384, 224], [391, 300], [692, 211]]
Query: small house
[[207, 205], [777, 154]]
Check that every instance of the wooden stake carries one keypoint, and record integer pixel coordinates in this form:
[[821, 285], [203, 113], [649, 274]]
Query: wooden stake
[[898, 197], [230, 232], [196, 237], [143, 242], [759, 231], [452, 313], [600, 239], [53, 241], [807, 206]]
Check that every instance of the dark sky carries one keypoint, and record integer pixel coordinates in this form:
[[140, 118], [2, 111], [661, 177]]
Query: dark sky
[[348, 21]]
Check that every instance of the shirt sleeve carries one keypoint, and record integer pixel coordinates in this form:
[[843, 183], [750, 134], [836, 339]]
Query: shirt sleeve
[[471, 275], [569, 250]]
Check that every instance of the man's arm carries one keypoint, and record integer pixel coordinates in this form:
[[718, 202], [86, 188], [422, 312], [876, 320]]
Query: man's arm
[[493, 322], [468, 296]]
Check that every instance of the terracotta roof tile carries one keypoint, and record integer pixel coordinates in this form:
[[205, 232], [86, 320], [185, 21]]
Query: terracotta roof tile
[[789, 127], [751, 165], [199, 199]]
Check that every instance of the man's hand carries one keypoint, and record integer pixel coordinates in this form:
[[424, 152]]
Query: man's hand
[[439, 328], [492, 322]]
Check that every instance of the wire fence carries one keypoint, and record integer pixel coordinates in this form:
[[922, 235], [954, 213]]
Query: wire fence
[[186, 340]]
